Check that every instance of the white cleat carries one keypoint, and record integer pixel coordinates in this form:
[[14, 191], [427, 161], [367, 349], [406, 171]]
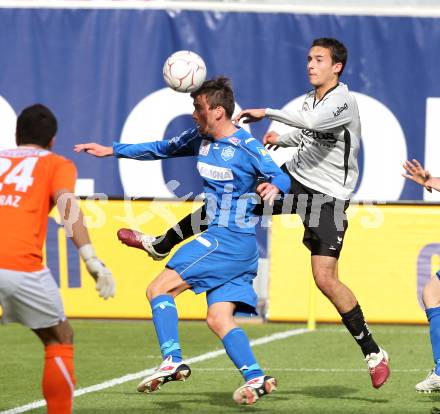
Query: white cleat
[[168, 371], [430, 384], [147, 242], [134, 238], [254, 389]]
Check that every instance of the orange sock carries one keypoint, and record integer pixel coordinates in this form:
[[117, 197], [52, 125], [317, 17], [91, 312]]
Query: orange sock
[[58, 378]]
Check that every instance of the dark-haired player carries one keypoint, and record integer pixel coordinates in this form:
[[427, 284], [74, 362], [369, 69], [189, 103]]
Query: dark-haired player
[[326, 132], [223, 260], [32, 180]]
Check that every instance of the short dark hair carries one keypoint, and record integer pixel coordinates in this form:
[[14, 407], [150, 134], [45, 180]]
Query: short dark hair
[[36, 125], [338, 50], [218, 92]]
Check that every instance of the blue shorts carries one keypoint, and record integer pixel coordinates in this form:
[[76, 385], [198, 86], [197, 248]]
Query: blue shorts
[[239, 291], [222, 263]]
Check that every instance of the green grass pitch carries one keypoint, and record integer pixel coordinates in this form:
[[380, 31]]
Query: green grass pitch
[[318, 372]]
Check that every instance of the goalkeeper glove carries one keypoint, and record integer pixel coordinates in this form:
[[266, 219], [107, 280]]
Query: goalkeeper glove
[[105, 283]]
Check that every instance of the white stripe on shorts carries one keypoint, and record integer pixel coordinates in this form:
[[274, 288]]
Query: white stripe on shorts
[[205, 242], [200, 258]]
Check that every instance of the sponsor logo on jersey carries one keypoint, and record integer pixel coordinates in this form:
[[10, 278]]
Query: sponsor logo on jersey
[[234, 141], [340, 109], [305, 107], [228, 153], [327, 137], [214, 173], [204, 147], [263, 152]]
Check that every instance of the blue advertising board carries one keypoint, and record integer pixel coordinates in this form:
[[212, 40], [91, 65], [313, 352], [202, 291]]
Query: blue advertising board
[[101, 73], [100, 70]]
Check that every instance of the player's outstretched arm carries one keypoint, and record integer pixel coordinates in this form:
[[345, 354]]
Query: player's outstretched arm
[[94, 149], [250, 115], [73, 221], [416, 173]]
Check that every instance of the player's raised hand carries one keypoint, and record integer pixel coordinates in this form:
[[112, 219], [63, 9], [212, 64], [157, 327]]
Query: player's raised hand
[[416, 173], [270, 140], [250, 115], [268, 192], [94, 149]]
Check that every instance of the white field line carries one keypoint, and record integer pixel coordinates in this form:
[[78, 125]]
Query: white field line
[[130, 377]]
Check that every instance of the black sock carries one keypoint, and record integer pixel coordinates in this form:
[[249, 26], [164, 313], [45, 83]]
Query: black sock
[[355, 323], [185, 228]]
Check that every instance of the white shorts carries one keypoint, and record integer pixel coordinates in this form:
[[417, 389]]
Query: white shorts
[[30, 298]]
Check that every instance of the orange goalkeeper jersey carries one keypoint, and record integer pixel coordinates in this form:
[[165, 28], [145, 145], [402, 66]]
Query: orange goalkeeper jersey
[[29, 179]]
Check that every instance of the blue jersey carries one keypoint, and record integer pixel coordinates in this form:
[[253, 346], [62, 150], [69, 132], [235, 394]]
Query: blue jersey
[[229, 167]]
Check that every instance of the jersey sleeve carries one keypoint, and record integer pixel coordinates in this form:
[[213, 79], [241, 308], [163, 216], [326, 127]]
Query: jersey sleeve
[[64, 176], [332, 112], [265, 165], [183, 145], [291, 139]]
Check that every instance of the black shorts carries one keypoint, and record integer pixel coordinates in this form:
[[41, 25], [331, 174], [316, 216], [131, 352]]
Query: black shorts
[[323, 216]]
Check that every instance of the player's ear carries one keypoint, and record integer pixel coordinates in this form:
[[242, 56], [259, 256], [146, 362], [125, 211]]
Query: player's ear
[[337, 67], [220, 112]]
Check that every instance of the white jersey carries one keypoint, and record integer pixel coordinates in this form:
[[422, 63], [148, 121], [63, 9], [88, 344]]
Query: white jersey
[[327, 133]]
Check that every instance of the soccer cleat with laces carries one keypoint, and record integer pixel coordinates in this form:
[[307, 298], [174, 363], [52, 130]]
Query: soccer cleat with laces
[[254, 389], [378, 365], [168, 371], [430, 384], [133, 238]]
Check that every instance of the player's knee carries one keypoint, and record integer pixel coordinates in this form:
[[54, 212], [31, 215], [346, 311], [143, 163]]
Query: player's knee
[[215, 322], [325, 281], [60, 334], [65, 334], [157, 289], [430, 296], [67, 338], [153, 290], [149, 293], [211, 321]]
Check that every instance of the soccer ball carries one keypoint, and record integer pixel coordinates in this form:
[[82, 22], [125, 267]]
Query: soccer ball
[[184, 71]]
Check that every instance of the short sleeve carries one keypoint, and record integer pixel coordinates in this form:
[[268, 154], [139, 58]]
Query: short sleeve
[[64, 176]]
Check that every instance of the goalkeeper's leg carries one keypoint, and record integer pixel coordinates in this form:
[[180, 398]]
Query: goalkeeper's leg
[[58, 380]]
